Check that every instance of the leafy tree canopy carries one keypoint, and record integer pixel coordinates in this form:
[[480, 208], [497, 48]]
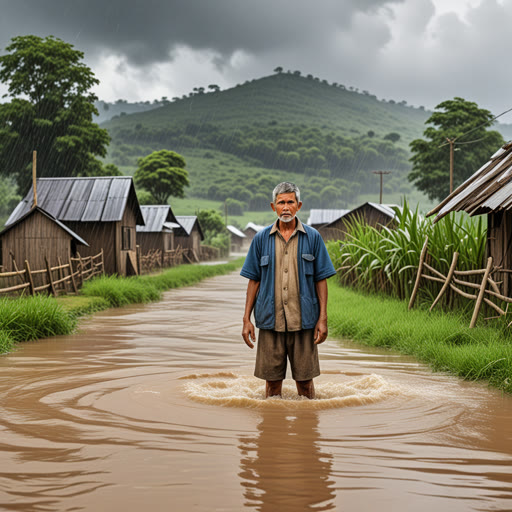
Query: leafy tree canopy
[[162, 174], [431, 156], [51, 111]]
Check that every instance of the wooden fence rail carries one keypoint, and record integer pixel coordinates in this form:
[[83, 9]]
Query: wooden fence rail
[[453, 280], [60, 279]]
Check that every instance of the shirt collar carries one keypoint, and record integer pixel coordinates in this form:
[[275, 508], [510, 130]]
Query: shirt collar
[[298, 227]]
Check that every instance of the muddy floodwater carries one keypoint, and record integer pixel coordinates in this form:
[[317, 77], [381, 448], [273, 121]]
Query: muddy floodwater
[[154, 408]]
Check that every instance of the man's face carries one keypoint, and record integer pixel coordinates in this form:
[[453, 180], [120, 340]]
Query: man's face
[[286, 206]]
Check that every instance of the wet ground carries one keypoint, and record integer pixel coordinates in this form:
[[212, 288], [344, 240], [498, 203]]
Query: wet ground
[[153, 408]]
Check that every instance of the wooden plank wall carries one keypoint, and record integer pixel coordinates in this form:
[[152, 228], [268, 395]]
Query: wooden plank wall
[[34, 239]]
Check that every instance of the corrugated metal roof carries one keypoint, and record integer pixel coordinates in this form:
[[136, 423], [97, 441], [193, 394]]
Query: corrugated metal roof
[[70, 232], [255, 227], [187, 222], [235, 231], [156, 217], [386, 209], [101, 199], [489, 189], [324, 216]]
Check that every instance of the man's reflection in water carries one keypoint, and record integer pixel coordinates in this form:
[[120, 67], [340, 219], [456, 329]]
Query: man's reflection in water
[[283, 468]]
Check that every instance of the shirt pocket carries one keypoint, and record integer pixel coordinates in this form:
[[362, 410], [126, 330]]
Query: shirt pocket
[[308, 263], [264, 261]]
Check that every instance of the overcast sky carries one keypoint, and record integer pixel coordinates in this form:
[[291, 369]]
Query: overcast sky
[[421, 51]]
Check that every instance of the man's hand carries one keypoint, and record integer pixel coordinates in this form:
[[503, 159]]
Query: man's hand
[[248, 333], [320, 331]]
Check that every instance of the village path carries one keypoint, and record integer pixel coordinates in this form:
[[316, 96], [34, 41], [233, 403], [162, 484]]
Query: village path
[[153, 407]]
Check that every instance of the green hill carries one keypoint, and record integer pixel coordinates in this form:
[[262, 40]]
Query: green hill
[[237, 142]]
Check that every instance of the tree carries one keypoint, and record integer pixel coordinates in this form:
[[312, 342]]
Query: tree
[[279, 69], [392, 136], [51, 111], [162, 174], [431, 156]]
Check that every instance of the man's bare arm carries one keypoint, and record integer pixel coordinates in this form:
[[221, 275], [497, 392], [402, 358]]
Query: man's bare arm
[[321, 326], [248, 332]]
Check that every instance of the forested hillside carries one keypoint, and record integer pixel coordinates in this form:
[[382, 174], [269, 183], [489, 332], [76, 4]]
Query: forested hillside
[[324, 136]]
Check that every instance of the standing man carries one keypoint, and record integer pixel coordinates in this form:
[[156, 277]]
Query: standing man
[[287, 267]]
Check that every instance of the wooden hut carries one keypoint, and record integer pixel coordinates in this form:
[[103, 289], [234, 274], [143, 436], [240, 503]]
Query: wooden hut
[[102, 210], [190, 234], [489, 192], [158, 231], [373, 214], [250, 231], [36, 237], [237, 239], [321, 217]]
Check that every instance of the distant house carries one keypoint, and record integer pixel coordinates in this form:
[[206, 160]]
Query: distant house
[[237, 239], [250, 230], [190, 234], [373, 214], [102, 210], [489, 192], [320, 217], [158, 231], [36, 237]]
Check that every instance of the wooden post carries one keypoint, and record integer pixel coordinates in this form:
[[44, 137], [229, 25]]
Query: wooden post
[[29, 278], [381, 174], [61, 274], [34, 176], [418, 275], [50, 279], [481, 293], [448, 279], [81, 267], [102, 262], [15, 267], [137, 252], [73, 283]]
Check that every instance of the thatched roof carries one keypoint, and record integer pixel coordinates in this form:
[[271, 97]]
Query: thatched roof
[[488, 190]]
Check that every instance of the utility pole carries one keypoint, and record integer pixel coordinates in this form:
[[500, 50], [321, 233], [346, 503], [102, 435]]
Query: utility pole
[[381, 174], [452, 143]]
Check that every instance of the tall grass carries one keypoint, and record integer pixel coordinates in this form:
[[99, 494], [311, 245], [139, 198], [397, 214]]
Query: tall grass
[[444, 341], [386, 259], [30, 318]]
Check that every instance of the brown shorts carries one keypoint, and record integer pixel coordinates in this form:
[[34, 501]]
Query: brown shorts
[[274, 347]]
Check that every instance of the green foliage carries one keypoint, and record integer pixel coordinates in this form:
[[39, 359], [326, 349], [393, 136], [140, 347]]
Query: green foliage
[[431, 155], [8, 198], [6, 342], [386, 260], [443, 341], [211, 221], [30, 318], [234, 206], [120, 291], [163, 174], [51, 111]]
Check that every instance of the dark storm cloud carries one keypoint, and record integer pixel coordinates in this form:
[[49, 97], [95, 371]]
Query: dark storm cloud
[[148, 31]]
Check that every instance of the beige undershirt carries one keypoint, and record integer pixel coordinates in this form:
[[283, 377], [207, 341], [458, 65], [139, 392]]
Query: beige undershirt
[[287, 293]]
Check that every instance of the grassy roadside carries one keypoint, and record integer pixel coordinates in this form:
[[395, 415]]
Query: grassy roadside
[[31, 318], [441, 340]]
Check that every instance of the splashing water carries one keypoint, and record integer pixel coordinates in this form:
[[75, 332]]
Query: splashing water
[[232, 390]]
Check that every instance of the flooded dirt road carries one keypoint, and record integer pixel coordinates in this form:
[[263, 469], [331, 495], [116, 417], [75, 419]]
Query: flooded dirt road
[[153, 408]]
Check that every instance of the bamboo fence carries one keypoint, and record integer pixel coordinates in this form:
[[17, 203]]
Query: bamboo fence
[[156, 259], [481, 292], [58, 280]]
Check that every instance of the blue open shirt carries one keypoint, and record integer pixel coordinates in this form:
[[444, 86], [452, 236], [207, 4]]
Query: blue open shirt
[[314, 265]]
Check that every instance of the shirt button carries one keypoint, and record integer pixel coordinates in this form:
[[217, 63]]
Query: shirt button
[[285, 270], [285, 288], [285, 302]]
